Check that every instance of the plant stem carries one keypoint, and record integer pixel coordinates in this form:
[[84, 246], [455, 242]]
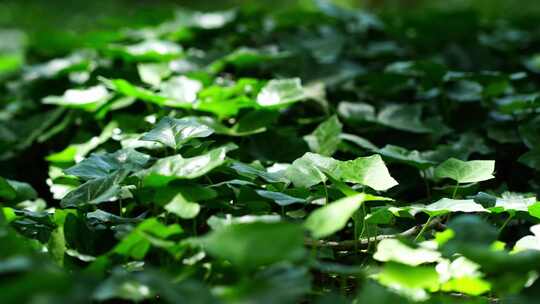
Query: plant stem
[[424, 227], [455, 190], [510, 217], [325, 192], [426, 183], [120, 207]]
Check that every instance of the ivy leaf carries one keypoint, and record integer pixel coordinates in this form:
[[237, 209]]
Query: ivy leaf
[[100, 165], [279, 198], [95, 191], [325, 139], [308, 170], [402, 155], [174, 133], [6, 190], [183, 208], [446, 205], [89, 99], [253, 171], [409, 277], [203, 20], [153, 73], [227, 100], [462, 275], [511, 202], [369, 171], [291, 281], [78, 61], [125, 88], [333, 217], [23, 191], [466, 171], [531, 159], [150, 232], [247, 245], [180, 91], [177, 167], [281, 92], [245, 57], [529, 242], [149, 50], [394, 250], [76, 152]]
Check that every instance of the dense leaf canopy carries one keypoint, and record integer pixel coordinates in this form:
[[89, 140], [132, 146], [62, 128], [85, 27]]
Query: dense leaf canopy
[[312, 154]]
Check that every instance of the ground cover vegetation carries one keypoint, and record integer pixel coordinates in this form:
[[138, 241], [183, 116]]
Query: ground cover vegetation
[[311, 155]]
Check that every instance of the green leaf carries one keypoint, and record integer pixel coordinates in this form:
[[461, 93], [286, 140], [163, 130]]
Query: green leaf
[[227, 100], [6, 190], [534, 209], [278, 93], [510, 201], [467, 285], [369, 171], [149, 233], [76, 152], [79, 61], [402, 117], [247, 245], [254, 171], [394, 250], [413, 277], [149, 50], [282, 283], [402, 155], [180, 91], [333, 217], [177, 167], [203, 20], [531, 159], [153, 73], [183, 208], [279, 198], [174, 133], [100, 165], [529, 242], [466, 171], [95, 191], [124, 87], [462, 275], [89, 99], [446, 205], [245, 57], [24, 191], [326, 138], [308, 170], [253, 122]]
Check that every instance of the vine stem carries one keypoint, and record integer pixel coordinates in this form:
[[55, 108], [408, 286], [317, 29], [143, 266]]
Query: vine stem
[[364, 242], [424, 227], [510, 217], [325, 192], [120, 207], [455, 190]]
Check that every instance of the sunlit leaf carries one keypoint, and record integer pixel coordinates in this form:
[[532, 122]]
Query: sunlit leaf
[[175, 132], [466, 171], [333, 217]]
